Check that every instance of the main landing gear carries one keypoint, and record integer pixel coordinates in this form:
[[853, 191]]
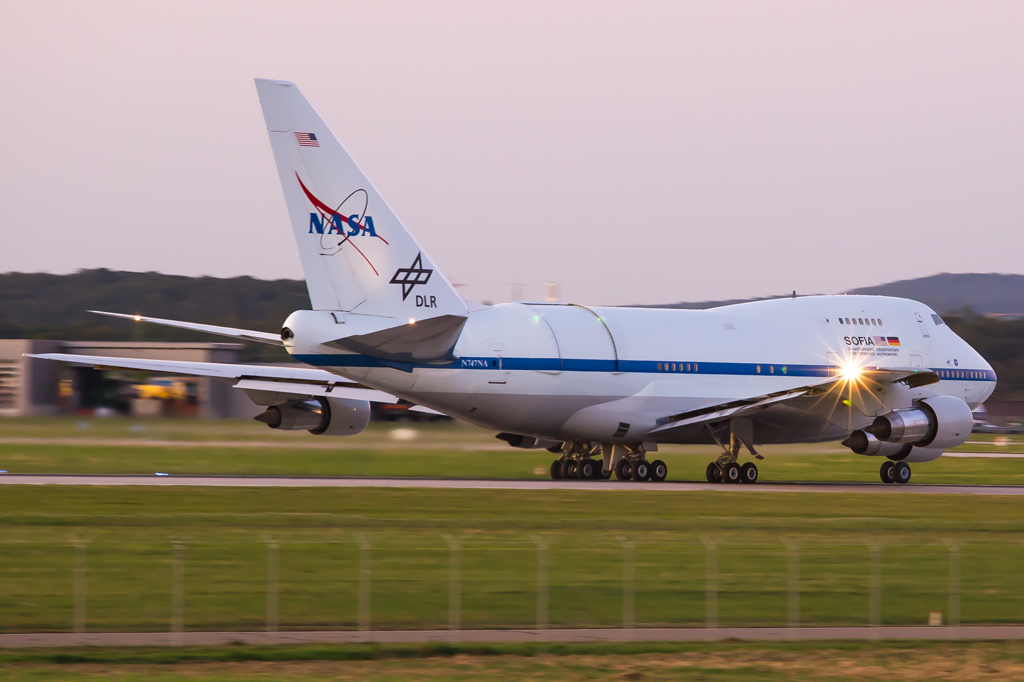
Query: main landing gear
[[726, 469], [731, 472], [894, 472], [627, 462]]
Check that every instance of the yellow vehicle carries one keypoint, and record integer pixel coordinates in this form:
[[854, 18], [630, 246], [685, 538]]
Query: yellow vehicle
[[164, 389]]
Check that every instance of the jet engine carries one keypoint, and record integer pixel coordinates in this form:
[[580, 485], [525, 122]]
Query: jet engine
[[319, 416], [937, 423], [863, 443]]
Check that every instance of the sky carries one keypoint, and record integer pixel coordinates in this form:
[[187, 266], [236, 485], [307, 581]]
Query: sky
[[636, 153]]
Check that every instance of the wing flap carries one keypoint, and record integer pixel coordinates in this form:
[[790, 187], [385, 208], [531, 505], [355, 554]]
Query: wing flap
[[912, 377]]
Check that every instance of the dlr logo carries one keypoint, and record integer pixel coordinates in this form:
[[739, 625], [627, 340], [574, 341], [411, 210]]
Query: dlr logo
[[426, 301]]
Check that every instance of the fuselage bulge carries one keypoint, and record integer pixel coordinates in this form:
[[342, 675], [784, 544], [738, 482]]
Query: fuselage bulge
[[570, 372]]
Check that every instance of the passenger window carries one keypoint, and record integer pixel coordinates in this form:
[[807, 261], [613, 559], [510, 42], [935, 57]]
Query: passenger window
[[687, 367], [860, 321], [879, 322], [840, 320]]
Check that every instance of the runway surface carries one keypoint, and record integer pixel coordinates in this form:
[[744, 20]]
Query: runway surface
[[56, 639], [485, 484]]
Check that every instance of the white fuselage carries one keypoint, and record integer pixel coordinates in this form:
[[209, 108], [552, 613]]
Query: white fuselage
[[569, 372]]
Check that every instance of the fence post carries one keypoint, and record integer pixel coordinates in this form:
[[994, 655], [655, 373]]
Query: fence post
[[542, 582], [178, 592], [711, 599], [954, 586], [875, 586], [794, 582], [628, 584], [272, 583], [364, 582], [80, 586], [454, 584]]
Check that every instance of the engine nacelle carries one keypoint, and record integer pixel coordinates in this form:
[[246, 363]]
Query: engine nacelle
[[527, 442], [319, 416], [863, 443], [939, 423]]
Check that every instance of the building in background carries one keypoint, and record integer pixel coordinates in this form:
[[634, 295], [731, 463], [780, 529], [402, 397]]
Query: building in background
[[30, 387]]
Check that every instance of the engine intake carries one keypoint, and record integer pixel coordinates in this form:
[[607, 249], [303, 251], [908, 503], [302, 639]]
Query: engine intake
[[940, 422], [319, 416]]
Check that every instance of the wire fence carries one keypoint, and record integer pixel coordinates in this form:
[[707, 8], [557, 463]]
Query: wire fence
[[451, 581]]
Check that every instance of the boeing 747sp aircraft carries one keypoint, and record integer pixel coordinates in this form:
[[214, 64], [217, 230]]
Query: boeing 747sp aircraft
[[601, 388]]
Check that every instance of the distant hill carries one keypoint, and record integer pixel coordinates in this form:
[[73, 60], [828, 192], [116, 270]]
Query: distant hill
[[946, 293], [41, 306], [44, 306], [982, 293]]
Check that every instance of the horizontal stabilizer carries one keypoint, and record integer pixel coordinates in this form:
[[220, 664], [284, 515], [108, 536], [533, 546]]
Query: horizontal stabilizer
[[242, 334], [430, 340]]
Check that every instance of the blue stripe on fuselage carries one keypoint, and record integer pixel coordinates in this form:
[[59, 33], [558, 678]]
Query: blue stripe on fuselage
[[624, 366]]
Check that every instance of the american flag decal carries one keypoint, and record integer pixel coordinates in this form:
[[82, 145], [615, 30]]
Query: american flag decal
[[306, 140]]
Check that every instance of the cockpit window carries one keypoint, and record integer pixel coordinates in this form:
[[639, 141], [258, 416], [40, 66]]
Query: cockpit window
[[937, 320]]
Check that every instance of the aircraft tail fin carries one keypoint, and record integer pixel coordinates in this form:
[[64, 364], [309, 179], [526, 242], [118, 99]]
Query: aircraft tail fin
[[357, 255]]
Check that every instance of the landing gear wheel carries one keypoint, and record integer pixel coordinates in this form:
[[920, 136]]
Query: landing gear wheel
[[731, 473], [623, 470], [568, 468], [642, 470], [602, 474], [556, 469], [586, 470], [886, 472], [713, 473], [901, 472], [659, 471], [748, 473]]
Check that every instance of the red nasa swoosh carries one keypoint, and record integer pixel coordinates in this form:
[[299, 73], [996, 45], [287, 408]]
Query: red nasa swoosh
[[326, 211]]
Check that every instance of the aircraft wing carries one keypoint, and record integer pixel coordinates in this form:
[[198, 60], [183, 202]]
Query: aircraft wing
[[912, 377], [243, 334], [305, 381]]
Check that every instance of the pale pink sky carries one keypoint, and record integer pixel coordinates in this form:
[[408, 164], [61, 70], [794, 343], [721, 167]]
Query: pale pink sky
[[635, 152]]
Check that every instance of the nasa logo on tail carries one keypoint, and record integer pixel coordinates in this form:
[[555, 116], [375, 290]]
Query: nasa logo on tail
[[412, 277], [336, 227]]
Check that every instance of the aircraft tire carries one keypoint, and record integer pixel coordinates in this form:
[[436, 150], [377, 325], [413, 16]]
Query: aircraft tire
[[642, 470], [586, 470], [602, 474], [623, 470], [568, 468], [731, 473], [659, 471], [901, 473], [556, 469], [886, 472], [713, 473], [748, 473]]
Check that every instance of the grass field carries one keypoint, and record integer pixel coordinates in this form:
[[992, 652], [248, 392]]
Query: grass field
[[713, 662], [124, 446], [226, 534]]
